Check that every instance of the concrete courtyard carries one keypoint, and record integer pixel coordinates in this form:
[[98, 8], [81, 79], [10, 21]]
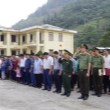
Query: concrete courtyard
[[15, 96]]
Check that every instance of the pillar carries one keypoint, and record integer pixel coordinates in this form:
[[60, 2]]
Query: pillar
[[8, 42]]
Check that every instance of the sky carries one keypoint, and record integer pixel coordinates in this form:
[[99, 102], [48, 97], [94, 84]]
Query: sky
[[12, 11]]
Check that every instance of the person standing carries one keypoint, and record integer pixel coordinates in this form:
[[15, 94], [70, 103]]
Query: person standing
[[57, 73], [74, 75], [97, 62], [33, 81], [107, 70], [47, 71], [22, 68], [38, 69], [3, 69], [84, 70], [67, 67], [27, 70], [0, 65]]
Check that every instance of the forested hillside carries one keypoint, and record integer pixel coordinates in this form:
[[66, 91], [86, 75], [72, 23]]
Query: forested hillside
[[49, 9], [91, 18]]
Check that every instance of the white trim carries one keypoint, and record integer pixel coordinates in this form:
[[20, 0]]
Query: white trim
[[45, 26]]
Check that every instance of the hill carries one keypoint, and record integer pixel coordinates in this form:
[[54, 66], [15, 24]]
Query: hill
[[91, 18], [36, 18]]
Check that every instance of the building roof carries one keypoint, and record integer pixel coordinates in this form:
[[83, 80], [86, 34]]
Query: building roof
[[45, 26], [2, 28], [49, 27]]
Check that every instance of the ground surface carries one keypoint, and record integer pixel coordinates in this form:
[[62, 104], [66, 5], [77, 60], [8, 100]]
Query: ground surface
[[15, 96]]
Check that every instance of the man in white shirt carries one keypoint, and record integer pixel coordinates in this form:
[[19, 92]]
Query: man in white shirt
[[22, 68], [38, 64], [47, 71], [57, 73], [107, 70]]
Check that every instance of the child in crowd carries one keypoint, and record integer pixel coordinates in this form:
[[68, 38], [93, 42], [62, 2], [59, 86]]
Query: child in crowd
[[18, 74]]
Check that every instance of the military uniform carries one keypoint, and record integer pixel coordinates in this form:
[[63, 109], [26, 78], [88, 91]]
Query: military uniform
[[84, 60], [97, 64], [67, 71]]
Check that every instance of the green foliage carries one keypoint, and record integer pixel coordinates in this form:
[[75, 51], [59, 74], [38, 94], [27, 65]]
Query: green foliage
[[105, 40], [36, 18], [40, 52], [91, 18]]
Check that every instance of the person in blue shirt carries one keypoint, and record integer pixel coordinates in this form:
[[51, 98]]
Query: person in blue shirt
[[33, 81], [3, 66], [8, 66], [28, 70]]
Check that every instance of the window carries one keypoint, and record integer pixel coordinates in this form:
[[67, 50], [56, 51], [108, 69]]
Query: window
[[51, 36], [24, 51], [31, 37], [2, 38], [23, 39], [31, 52], [41, 37], [42, 48], [13, 38], [60, 37], [13, 52], [2, 52]]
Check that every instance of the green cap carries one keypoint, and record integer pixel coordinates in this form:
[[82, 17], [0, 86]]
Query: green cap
[[67, 52]]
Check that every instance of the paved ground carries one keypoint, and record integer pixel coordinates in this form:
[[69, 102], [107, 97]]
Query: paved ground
[[15, 96]]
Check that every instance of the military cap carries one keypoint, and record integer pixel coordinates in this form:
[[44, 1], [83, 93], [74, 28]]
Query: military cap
[[95, 49], [84, 46], [67, 52]]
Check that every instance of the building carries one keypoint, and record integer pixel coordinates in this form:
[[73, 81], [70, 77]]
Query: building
[[37, 38]]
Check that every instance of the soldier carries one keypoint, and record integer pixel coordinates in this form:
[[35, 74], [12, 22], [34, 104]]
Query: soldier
[[84, 70], [67, 67], [97, 62]]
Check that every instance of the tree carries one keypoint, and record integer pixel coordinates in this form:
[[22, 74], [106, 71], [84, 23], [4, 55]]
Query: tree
[[40, 52], [105, 40]]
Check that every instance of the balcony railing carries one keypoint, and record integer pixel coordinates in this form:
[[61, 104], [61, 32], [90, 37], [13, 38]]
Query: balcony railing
[[14, 43], [2, 42], [31, 42], [41, 41]]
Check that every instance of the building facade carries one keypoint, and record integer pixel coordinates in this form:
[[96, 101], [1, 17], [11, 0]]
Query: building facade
[[45, 38]]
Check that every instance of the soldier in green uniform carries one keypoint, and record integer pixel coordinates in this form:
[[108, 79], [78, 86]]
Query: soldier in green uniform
[[84, 70], [67, 66], [97, 62]]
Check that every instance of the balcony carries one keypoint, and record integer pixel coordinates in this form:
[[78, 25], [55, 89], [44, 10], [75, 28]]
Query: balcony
[[14, 43], [31, 43], [1, 43], [41, 41]]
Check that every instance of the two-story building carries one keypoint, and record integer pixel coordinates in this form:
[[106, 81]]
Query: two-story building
[[45, 38]]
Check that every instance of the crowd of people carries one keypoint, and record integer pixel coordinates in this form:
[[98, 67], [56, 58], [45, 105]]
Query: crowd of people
[[86, 70]]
